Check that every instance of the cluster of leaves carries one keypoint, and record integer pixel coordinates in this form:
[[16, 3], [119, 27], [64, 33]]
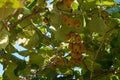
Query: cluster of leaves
[[73, 39]]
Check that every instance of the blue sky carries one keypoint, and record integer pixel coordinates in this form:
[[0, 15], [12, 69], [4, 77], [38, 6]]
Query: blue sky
[[117, 1], [1, 69]]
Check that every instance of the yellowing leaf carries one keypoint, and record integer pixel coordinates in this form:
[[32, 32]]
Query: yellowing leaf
[[16, 3], [1, 3], [11, 3], [90, 0], [108, 3]]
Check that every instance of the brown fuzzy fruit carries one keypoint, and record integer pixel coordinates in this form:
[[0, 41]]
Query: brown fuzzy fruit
[[76, 47], [76, 55], [77, 24], [67, 3], [77, 39], [70, 46]]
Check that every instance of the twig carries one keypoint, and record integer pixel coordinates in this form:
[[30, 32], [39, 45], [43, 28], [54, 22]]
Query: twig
[[1, 29], [83, 62], [104, 37], [92, 65], [23, 18], [12, 14], [3, 14], [5, 25]]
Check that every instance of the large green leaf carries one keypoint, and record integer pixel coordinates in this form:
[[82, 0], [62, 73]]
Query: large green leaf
[[86, 76], [36, 59], [29, 37], [61, 33], [46, 51], [105, 60], [25, 53], [92, 66], [99, 25], [55, 18], [116, 41], [88, 4], [20, 67], [33, 42], [10, 71], [10, 48]]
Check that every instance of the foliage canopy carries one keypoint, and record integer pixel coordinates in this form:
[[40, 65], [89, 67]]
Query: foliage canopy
[[62, 39]]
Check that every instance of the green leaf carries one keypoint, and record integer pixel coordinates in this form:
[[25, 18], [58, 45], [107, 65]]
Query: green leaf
[[111, 23], [26, 10], [61, 33], [80, 2], [32, 4], [20, 67], [29, 37], [75, 6], [116, 15], [25, 71], [46, 51], [36, 59], [10, 71], [114, 78], [4, 40], [33, 42], [1, 77], [10, 48], [24, 53], [116, 63], [86, 76], [99, 25], [25, 23], [96, 66], [116, 41], [105, 63], [88, 4], [55, 20]]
